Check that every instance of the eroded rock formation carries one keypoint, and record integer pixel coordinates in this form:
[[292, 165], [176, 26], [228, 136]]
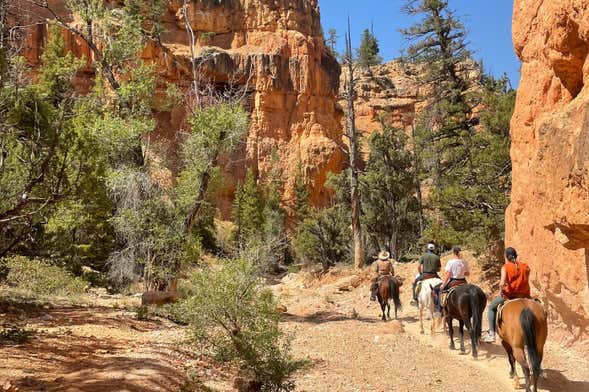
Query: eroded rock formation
[[275, 51], [388, 90], [548, 219]]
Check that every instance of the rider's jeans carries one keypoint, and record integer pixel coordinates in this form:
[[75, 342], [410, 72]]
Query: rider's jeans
[[493, 311]]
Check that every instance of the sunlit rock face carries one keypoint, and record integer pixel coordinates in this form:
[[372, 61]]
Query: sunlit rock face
[[274, 51], [548, 219]]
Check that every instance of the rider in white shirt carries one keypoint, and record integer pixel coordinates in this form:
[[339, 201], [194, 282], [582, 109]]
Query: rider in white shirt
[[457, 270]]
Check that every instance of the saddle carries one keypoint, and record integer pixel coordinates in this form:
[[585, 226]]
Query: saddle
[[450, 288], [429, 275], [499, 316], [397, 279], [446, 293]]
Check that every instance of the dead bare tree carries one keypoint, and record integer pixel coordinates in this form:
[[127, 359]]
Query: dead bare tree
[[352, 139]]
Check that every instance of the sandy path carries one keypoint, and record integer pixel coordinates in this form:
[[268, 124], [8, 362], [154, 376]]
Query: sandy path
[[352, 350]]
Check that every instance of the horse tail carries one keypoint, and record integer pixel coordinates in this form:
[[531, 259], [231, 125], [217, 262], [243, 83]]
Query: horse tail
[[528, 323], [477, 324], [395, 294]]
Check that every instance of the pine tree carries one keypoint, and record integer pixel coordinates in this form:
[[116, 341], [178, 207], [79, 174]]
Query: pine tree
[[456, 143], [247, 212], [331, 41], [446, 126], [367, 53], [302, 207], [389, 206]]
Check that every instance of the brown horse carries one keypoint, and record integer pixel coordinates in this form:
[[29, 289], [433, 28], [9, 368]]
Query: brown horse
[[466, 303], [388, 288], [523, 324]]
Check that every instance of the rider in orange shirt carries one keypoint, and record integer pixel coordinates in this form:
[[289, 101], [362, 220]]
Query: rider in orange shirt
[[514, 284]]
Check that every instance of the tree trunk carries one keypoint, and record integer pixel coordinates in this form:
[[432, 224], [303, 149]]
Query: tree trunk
[[417, 170], [355, 191]]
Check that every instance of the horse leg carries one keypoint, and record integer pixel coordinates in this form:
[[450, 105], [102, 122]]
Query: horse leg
[[461, 330], [510, 357], [421, 318], [451, 332], [389, 311], [521, 359], [473, 340], [382, 308]]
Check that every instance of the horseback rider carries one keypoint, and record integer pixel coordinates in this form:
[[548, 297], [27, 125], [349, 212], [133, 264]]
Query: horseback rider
[[383, 267], [457, 270], [428, 267], [514, 284]]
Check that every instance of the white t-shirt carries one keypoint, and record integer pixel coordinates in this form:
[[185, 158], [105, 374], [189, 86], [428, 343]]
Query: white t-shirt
[[457, 268]]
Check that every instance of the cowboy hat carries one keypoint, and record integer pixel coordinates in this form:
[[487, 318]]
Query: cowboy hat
[[384, 255]]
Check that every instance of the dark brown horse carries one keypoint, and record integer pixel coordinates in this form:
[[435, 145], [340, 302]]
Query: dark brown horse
[[388, 288], [465, 303], [523, 324]]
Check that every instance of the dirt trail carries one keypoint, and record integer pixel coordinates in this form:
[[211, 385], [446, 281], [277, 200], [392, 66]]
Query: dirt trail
[[99, 348], [351, 349]]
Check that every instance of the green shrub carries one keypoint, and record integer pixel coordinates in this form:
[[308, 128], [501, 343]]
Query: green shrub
[[324, 237], [40, 278], [234, 316]]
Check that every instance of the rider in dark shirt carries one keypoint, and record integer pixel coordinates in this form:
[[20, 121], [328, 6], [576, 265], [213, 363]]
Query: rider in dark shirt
[[429, 266]]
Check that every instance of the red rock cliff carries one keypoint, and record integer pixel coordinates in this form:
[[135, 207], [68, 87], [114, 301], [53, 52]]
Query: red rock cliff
[[548, 219], [273, 48]]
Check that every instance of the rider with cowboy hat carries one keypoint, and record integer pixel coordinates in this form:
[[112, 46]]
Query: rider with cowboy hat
[[383, 267]]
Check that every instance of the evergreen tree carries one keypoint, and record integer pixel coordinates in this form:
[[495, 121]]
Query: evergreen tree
[[247, 210], [367, 53], [331, 41], [389, 205], [273, 216], [455, 143], [302, 207]]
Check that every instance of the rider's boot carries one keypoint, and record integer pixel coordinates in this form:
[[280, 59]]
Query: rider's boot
[[490, 337]]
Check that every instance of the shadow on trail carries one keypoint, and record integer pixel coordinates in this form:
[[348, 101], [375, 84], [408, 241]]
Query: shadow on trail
[[554, 380], [325, 317]]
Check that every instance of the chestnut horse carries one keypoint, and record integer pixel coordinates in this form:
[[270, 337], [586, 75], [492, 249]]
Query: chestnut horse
[[466, 303], [523, 324], [388, 288]]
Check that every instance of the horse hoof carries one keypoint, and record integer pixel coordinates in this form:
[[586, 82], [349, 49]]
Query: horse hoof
[[422, 332]]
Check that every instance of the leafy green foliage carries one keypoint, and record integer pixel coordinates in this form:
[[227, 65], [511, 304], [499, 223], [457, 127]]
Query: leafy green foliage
[[324, 237], [367, 53], [388, 183], [247, 210], [461, 137], [302, 205], [232, 314], [473, 205], [40, 278]]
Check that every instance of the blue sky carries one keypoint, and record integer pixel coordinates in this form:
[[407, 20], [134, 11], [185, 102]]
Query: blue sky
[[488, 24]]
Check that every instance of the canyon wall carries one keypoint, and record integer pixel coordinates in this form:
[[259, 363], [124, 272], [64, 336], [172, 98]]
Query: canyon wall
[[548, 218], [271, 49]]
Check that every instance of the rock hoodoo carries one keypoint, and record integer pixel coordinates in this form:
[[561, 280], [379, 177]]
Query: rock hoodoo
[[548, 219]]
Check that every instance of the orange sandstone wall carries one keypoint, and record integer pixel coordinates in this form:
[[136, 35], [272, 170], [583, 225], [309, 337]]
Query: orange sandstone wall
[[548, 218], [274, 49]]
